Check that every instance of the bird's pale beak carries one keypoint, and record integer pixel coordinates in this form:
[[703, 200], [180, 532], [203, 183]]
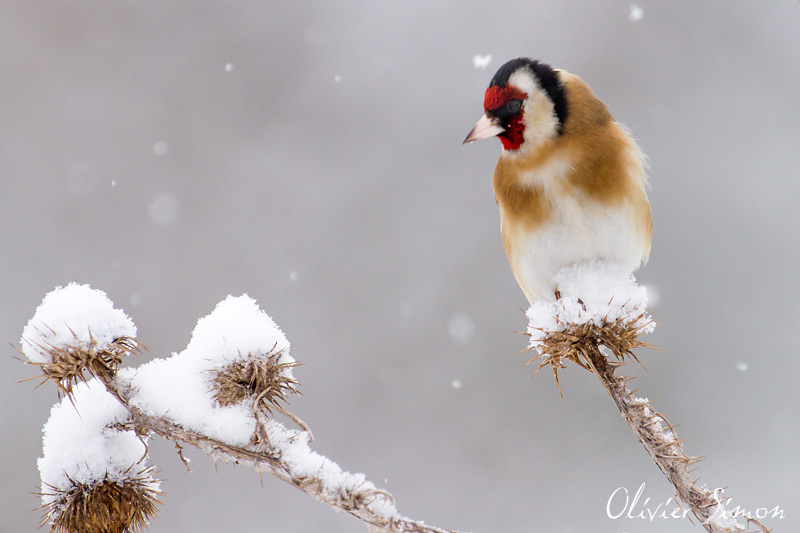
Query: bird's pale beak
[[485, 128]]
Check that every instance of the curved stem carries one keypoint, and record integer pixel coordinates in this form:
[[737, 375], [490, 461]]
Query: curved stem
[[264, 458], [663, 446]]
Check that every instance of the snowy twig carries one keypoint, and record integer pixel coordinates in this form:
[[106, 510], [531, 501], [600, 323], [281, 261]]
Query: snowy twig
[[662, 444], [267, 458], [599, 309], [218, 395]]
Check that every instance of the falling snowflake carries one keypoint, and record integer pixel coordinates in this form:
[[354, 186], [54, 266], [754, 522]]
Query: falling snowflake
[[160, 148], [461, 328], [163, 209], [481, 62]]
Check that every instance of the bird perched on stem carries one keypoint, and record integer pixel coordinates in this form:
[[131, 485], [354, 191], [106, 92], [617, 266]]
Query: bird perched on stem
[[570, 182]]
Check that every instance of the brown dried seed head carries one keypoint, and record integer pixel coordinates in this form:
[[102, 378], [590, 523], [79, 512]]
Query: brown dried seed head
[[70, 365], [577, 341], [105, 507], [264, 380]]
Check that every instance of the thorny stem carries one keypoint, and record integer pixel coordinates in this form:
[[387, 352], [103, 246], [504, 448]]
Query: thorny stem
[[263, 458], [662, 444]]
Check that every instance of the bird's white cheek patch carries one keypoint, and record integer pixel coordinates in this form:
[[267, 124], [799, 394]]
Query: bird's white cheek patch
[[541, 123]]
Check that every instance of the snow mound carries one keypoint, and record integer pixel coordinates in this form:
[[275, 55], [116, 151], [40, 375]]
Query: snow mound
[[73, 316], [596, 292]]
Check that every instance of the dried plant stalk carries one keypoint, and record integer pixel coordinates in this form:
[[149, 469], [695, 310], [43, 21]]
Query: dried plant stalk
[[582, 344], [267, 459]]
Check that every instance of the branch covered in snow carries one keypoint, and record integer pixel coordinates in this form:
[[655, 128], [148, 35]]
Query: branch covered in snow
[[221, 392], [596, 323], [219, 395]]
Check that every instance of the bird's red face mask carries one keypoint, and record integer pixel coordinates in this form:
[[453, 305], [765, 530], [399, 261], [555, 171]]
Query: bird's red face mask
[[503, 117]]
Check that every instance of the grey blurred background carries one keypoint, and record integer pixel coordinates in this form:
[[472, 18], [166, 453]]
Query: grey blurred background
[[309, 154]]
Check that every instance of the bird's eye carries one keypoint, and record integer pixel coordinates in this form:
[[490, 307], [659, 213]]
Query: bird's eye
[[514, 106]]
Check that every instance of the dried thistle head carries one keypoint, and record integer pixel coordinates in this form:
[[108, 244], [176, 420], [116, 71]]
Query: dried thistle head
[[125, 506], [77, 330], [263, 379], [71, 364], [580, 342]]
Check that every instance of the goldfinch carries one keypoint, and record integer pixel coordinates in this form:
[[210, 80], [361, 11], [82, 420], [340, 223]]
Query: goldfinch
[[570, 182]]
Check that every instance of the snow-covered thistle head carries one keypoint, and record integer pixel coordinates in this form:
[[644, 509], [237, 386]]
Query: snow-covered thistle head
[[94, 473], [599, 306], [125, 506], [243, 360], [77, 333], [245, 354]]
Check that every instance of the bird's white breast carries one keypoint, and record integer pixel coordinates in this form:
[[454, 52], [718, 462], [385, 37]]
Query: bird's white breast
[[579, 228], [574, 233]]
